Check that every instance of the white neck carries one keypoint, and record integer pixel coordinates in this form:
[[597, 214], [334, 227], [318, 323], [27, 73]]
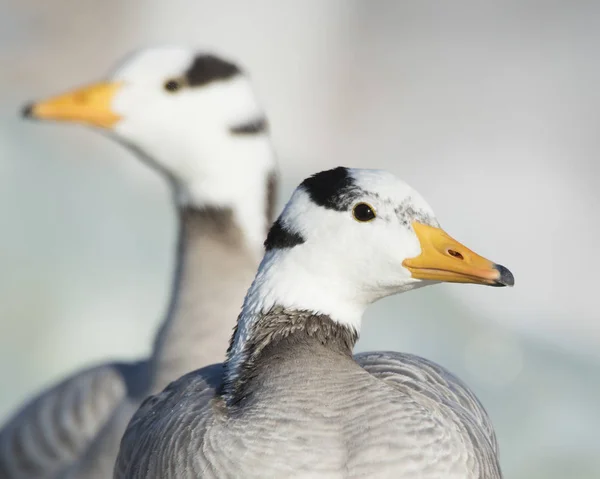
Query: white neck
[[218, 254], [286, 278], [236, 177], [220, 170]]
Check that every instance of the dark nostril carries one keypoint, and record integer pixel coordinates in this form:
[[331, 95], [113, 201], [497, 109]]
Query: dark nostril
[[455, 254], [27, 110]]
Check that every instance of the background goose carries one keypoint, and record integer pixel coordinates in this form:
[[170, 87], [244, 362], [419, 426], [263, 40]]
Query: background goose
[[290, 400], [195, 118]]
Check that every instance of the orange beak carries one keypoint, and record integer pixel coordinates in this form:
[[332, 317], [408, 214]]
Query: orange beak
[[444, 259], [90, 105]]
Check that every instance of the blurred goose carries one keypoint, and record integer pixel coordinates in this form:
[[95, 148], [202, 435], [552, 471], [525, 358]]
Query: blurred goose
[[290, 400], [194, 117]]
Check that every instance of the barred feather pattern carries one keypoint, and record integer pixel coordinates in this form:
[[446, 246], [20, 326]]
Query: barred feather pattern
[[309, 409], [73, 430], [50, 434]]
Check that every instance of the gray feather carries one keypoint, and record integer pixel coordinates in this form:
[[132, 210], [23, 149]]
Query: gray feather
[[429, 379], [49, 434], [73, 430], [307, 408]]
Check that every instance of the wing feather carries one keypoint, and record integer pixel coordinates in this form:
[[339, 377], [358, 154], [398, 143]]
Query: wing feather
[[55, 429]]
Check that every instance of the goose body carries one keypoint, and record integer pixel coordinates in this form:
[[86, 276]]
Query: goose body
[[194, 117], [291, 400]]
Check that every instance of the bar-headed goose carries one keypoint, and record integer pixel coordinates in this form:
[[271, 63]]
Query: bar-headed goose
[[290, 400], [195, 118]]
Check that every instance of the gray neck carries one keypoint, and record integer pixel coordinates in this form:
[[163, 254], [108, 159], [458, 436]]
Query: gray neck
[[215, 265], [214, 269], [281, 335]]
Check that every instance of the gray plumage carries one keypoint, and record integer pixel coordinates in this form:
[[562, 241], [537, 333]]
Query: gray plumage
[[211, 283], [194, 118], [48, 435], [430, 379], [304, 407], [74, 429], [291, 400]]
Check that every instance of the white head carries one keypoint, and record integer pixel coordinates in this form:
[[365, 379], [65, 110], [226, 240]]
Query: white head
[[349, 237], [193, 115]]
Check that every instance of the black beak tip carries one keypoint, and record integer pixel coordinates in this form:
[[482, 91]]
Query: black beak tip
[[506, 277], [27, 111]]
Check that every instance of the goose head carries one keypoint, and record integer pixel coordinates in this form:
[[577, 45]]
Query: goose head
[[192, 115], [349, 237]]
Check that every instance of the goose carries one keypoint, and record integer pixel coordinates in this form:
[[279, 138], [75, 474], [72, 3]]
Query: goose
[[290, 400], [194, 117]]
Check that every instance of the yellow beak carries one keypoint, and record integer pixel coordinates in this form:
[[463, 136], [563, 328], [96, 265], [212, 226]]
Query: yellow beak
[[443, 258], [90, 105]]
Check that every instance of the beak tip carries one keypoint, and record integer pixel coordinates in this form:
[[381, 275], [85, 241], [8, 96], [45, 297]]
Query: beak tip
[[27, 111], [505, 278]]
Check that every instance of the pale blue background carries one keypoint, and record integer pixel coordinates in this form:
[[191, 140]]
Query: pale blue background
[[490, 109]]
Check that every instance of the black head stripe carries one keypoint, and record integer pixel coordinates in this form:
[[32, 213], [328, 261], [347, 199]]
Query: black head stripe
[[209, 68], [280, 236], [333, 189], [252, 127]]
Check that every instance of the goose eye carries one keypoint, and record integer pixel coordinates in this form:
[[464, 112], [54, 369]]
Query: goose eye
[[363, 212], [172, 86]]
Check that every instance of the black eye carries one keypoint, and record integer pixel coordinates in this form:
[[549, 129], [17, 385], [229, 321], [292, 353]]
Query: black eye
[[172, 86], [363, 212]]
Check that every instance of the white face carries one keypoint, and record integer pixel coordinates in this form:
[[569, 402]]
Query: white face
[[181, 109], [185, 127], [365, 257], [349, 237]]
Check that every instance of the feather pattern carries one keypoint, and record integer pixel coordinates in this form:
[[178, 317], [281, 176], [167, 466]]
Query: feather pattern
[[309, 409], [49, 434], [291, 400], [74, 429], [429, 379], [211, 142]]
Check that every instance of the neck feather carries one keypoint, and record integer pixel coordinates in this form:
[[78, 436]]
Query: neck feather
[[286, 297], [277, 334], [219, 170], [225, 207], [239, 174], [214, 268]]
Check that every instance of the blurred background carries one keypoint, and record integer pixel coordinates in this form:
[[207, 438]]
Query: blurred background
[[489, 109]]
